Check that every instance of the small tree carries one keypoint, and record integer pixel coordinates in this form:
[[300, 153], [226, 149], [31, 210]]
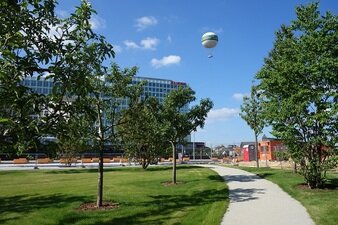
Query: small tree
[[35, 42], [299, 80], [180, 124], [142, 131], [252, 113], [105, 99]]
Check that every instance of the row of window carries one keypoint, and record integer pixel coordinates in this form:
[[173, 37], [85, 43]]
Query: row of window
[[158, 85], [37, 83]]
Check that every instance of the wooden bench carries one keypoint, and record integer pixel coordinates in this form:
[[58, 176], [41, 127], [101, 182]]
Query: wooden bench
[[106, 160], [124, 160], [20, 161], [185, 159], [44, 160], [117, 159], [86, 160], [95, 159]]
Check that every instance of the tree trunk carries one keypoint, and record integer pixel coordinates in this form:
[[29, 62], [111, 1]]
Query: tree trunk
[[173, 145], [257, 152], [295, 167], [101, 144]]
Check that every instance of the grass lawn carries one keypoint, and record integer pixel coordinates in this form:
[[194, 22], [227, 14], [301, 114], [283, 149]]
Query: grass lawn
[[322, 205], [52, 196]]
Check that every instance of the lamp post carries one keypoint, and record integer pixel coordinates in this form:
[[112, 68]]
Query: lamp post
[[193, 147]]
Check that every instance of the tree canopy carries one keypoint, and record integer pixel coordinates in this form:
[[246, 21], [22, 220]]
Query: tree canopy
[[252, 113], [299, 83], [178, 124]]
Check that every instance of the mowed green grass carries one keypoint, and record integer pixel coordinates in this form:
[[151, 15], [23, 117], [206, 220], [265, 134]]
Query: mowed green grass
[[52, 196], [322, 205]]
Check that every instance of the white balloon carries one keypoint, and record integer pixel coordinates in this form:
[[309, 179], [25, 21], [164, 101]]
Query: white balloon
[[209, 40]]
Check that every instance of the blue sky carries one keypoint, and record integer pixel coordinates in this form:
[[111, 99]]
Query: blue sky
[[163, 38]]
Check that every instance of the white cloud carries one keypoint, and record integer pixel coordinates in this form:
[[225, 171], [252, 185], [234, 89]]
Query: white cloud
[[97, 22], [131, 44], [149, 43], [117, 49], [221, 114], [146, 44], [166, 61], [144, 22], [239, 96]]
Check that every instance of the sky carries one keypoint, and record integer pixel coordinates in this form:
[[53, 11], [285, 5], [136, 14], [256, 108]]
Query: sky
[[163, 39]]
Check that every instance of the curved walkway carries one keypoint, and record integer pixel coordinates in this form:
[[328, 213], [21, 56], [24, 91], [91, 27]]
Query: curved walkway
[[256, 201]]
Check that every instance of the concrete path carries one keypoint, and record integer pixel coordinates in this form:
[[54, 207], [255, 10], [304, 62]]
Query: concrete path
[[256, 201]]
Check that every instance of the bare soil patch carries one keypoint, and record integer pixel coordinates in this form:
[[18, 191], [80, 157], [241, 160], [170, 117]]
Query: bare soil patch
[[91, 206]]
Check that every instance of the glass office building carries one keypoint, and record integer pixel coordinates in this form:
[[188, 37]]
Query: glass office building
[[158, 88]]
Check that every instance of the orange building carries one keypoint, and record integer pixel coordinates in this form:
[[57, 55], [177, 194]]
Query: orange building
[[268, 146]]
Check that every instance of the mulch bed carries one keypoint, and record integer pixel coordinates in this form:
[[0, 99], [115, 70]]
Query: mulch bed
[[304, 186], [91, 206]]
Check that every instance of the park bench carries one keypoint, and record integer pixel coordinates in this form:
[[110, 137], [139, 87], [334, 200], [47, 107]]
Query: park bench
[[68, 161], [86, 160], [95, 159], [20, 161], [185, 159], [44, 160], [116, 159], [106, 160]]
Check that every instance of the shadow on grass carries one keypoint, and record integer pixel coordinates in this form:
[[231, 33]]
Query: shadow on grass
[[169, 167], [159, 210], [332, 184], [216, 178], [91, 170], [263, 175], [22, 204], [126, 169]]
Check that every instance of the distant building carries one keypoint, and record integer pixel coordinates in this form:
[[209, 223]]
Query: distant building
[[248, 151], [268, 146], [158, 88]]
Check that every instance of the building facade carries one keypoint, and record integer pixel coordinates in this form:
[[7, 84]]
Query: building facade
[[158, 88]]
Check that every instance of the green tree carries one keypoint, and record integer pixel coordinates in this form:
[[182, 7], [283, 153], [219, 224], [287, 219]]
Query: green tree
[[106, 99], [35, 42], [299, 82], [252, 113], [178, 124], [142, 131], [74, 132]]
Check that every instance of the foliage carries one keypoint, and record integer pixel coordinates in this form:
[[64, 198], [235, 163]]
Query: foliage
[[73, 136], [252, 113], [282, 155], [35, 42], [299, 83], [178, 124], [142, 132], [106, 96]]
